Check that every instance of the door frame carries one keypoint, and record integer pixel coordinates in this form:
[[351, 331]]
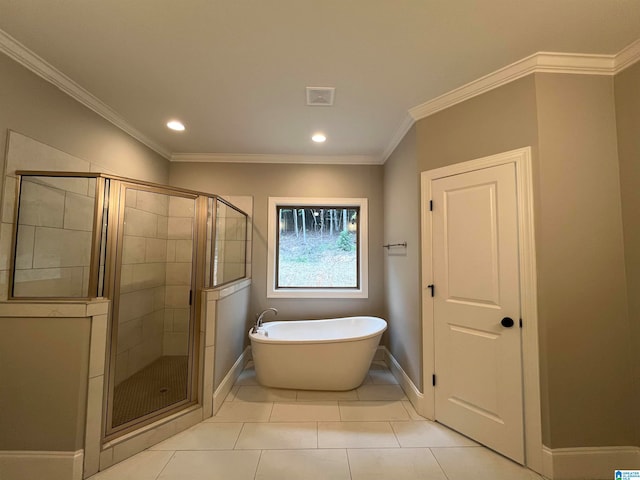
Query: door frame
[[521, 158]]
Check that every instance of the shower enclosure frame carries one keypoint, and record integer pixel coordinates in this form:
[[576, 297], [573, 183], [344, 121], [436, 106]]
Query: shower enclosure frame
[[96, 230], [110, 191], [117, 237]]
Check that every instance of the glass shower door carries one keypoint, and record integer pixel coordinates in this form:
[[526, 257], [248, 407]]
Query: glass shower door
[[152, 330]]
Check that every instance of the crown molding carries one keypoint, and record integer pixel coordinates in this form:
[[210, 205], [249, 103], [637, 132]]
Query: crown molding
[[397, 137], [276, 158], [541, 62], [627, 56], [25, 57]]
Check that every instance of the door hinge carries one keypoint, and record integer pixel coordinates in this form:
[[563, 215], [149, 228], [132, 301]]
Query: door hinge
[[432, 288], [190, 296], [433, 379], [431, 205], [520, 323]]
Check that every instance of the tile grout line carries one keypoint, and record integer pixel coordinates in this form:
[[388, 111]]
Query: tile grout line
[[395, 435], [438, 462], [235, 444], [255, 475], [165, 465], [346, 451]]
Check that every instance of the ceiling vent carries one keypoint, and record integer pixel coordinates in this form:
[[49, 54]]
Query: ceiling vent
[[320, 96]]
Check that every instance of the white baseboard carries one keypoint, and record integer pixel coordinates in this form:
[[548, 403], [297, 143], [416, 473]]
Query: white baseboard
[[22, 465], [585, 463], [415, 396], [588, 463], [230, 378]]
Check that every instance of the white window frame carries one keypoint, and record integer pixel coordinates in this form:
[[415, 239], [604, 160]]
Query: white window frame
[[363, 254]]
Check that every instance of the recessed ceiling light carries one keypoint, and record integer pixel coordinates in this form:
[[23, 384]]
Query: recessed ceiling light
[[319, 137], [176, 125]]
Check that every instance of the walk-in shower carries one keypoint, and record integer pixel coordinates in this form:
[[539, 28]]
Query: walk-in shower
[[150, 249]]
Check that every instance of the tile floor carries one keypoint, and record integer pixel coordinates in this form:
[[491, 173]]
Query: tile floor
[[369, 433]]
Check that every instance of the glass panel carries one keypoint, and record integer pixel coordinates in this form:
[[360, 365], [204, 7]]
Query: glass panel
[[153, 312], [54, 235], [103, 238], [317, 247], [230, 244], [209, 245]]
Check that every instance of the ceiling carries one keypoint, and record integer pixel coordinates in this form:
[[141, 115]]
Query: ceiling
[[235, 71]]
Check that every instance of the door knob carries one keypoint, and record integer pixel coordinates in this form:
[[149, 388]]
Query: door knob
[[507, 322]]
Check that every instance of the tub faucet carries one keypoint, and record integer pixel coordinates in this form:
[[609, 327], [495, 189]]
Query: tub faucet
[[260, 316]]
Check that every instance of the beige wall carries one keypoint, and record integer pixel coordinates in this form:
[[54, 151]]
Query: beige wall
[[402, 265], [37, 109], [283, 180], [627, 97], [581, 275], [569, 121], [231, 315], [500, 120], [43, 402], [43, 372]]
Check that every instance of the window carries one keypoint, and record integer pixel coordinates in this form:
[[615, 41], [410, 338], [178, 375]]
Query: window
[[317, 248]]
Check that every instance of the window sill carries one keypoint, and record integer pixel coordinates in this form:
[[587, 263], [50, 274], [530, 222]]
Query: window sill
[[317, 293]]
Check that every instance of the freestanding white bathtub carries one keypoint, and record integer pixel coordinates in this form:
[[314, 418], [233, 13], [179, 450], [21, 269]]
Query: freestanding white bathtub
[[333, 354]]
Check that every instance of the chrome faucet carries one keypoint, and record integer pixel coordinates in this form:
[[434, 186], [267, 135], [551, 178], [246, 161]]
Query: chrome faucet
[[260, 317]]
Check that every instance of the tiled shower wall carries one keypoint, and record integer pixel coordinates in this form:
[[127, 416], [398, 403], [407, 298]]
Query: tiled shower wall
[[156, 270], [231, 245], [54, 237], [24, 153], [155, 280], [178, 277], [142, 282]]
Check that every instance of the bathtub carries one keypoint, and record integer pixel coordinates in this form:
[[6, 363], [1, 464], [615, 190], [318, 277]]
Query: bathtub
[[333, 354]]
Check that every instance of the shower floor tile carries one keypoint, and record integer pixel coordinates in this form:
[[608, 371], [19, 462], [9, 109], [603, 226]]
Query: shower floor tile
[[156, 386]]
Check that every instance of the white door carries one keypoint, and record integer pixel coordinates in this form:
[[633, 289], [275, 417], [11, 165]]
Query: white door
[[478, 352]]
